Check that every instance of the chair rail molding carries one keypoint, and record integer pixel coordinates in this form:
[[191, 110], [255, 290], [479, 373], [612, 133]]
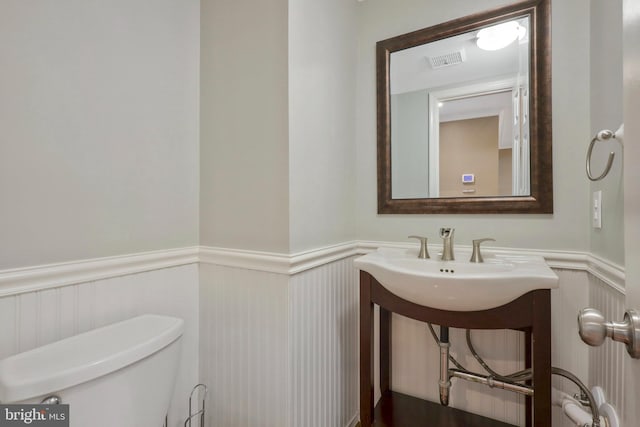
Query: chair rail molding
[[29, 279], [278, 262]]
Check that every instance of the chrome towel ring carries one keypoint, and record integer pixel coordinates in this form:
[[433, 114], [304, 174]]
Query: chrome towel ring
[[603, 135]]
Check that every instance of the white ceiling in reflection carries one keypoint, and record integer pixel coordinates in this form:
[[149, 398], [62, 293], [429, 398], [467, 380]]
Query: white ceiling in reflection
[[411, 70]]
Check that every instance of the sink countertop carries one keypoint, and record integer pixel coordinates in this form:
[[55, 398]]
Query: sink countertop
[[458, 285]]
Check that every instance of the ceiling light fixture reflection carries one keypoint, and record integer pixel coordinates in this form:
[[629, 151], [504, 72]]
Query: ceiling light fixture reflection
[[500, 36]]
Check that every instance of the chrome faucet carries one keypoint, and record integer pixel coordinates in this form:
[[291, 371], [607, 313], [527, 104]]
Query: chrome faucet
[[447, 249], [476, 256], [424, 252]]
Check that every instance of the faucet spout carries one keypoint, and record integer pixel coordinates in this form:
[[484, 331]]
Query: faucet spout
[[447, 248]]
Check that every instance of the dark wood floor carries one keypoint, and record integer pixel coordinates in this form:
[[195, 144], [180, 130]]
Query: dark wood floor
[[400, 410]]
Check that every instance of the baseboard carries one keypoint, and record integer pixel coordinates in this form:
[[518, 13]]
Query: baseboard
[[355, 421]]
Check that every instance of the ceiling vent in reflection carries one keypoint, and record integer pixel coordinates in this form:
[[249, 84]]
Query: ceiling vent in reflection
[[448, 59]]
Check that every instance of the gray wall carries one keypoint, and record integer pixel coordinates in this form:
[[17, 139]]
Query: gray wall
[[322, 115], [278, 108], [606, 113], [99, 124], [567, 228], [244, 182], [98, 128], [410, 146]]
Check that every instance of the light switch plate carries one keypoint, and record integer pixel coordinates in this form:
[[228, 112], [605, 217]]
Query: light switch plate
[[596, 209]]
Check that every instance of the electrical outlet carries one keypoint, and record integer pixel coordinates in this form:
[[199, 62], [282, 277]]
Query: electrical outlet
[[596, 209]]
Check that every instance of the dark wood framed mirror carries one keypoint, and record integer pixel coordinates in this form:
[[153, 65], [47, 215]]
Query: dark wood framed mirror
[[465, 126]]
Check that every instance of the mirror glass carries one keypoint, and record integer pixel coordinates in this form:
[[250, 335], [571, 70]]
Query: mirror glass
[[459, 115], [464, 115]]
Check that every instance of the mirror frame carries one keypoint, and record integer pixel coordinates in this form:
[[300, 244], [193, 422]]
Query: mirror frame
[[541, 198]]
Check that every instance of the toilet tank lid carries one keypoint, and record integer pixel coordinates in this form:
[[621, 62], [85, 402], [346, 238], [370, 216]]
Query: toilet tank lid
[[81, 358]]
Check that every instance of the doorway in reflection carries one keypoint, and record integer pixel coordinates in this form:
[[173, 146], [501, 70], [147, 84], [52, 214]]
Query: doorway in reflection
[[472, 162]]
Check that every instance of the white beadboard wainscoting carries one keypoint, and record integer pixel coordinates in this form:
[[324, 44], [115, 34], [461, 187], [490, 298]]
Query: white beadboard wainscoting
[[37, 317], [567, 349], [324, 355], [244, 346], [606, 362], [275, 336], [280, 350]]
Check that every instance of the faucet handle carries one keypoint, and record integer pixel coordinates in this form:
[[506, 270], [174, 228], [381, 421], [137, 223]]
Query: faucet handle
[[446, 232], [424, 253], [476, 256]]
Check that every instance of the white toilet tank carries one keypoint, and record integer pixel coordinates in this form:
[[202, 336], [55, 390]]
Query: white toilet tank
[[118, 375]]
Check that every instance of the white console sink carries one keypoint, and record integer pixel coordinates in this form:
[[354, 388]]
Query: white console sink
[[457, 285]]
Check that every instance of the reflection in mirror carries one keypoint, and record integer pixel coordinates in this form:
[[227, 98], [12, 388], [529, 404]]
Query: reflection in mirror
[[464, 115], [460, 110]]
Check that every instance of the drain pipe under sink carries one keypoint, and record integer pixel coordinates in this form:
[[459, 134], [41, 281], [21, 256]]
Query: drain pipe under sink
[[445, 382]]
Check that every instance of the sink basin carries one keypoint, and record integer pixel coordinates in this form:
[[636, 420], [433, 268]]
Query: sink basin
[[458, 285]]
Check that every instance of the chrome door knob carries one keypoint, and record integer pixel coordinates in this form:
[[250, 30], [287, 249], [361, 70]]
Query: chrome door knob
[[594, 329], [591, 326]]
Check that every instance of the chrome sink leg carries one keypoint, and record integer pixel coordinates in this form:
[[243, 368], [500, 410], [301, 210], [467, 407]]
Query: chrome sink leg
[[444, 383]]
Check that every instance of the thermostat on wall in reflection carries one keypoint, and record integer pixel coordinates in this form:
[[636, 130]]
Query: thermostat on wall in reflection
[[468, 178]]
